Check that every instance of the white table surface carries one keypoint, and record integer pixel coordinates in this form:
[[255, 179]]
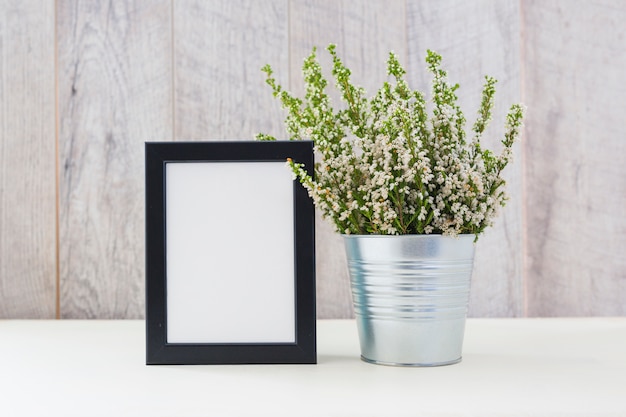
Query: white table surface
[[510, 367]]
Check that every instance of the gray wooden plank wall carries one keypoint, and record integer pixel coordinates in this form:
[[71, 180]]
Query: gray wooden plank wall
[[115, 93], [85, 83], [575, 63], [27, 161]]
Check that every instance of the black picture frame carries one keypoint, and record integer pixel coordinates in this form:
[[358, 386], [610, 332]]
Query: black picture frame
[[228, 327]]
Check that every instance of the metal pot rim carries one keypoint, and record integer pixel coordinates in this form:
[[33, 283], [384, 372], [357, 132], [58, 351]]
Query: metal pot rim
[[410, 236]]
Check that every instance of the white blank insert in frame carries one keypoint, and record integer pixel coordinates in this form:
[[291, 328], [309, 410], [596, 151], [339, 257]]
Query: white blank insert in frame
[[230, 252]]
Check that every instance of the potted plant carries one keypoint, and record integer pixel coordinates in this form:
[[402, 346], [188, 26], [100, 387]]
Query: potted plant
[[411, 191]]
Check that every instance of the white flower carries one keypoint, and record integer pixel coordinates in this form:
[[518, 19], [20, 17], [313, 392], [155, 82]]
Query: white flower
[[402, 172]]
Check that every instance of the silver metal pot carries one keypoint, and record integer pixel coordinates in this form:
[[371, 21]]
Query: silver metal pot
[[410, 295]]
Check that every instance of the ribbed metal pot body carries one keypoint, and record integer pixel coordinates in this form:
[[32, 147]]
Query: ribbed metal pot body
[[410, 294]]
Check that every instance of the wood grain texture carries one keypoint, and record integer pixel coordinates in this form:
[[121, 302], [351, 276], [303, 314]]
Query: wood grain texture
[[364, 32], [27, 161], [220, 47], [576, 154], [133, 71], [475, 39], [115, 87]]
